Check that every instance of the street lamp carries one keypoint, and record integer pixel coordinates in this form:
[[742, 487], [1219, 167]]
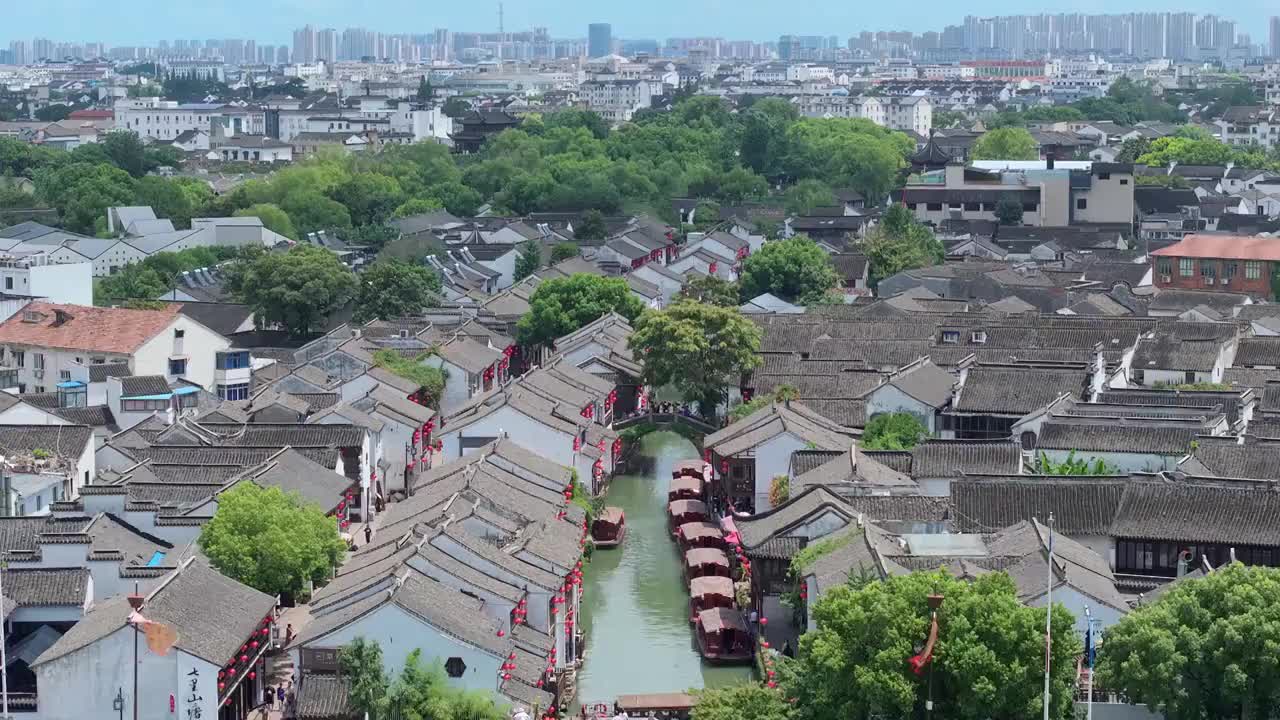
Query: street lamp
[[117, 704]]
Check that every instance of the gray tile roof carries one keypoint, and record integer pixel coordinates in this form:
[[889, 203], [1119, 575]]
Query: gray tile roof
[[1016, 390], [293, 472], [323, 697], [1258, 351], [759, 528], [109, 534], [1226, 513], [264, 434], [100, 373], [773, 420], [843, 476], [46, 587], [1231, 400], [927, 383], [1080, 505], [202, 455], [1224, 457], [141, 385], [63, 441], [1123, 435], [948, 458]]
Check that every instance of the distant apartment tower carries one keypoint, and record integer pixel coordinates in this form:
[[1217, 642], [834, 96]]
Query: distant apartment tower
[[1275, 36], [327, 45], [599, 40], [304, 45], [18, 48]]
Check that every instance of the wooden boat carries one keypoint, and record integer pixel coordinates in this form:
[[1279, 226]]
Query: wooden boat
[[705, 562], [723, 636], [709, 591], [610, 528], [687, 468], [665, 706], [680, 512], [685, 488], [700, 535]]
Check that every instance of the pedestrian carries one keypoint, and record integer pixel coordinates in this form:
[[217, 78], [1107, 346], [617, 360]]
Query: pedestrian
[[269, 696], [288, 634], [368, 534], [280, 695]]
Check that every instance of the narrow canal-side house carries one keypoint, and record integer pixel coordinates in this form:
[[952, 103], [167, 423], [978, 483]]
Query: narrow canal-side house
[[215, 668], [600, 348], [750, 452], [470, 368]]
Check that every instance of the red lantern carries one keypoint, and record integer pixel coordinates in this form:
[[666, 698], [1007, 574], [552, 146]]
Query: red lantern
[[254, 644], [252, 674], [712, 268], [764, 621], [577, 443], [244, 658], [221, 673], [222, 686], [439, 445], [231, 672], [502, 633]]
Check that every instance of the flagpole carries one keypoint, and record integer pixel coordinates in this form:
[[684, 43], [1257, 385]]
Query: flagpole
[[1048, 621], [1088, 654]]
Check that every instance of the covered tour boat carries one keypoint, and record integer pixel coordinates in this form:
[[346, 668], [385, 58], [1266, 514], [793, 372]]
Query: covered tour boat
[[608, 530], [700, 535], [685, 488], [687, 468], [705, 562], [723, 636], [709, 591], [665, 706], [680, 512]]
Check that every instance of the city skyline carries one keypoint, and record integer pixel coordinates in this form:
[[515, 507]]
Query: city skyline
[[275, 20]]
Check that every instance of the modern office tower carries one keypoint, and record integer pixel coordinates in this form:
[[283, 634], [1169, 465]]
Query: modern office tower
[[599, 39]]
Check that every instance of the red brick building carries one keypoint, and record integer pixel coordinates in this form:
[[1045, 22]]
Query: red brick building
[[1226, 263]]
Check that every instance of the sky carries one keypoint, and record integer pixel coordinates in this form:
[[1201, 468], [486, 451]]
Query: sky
[[139, 22]]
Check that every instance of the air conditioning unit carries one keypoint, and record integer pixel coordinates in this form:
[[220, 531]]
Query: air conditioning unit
[[1208, 281], [1224, 281]]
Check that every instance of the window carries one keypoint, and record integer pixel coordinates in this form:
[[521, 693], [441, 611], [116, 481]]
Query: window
[[1186, 267], [1124, 181], [39, 388], [1030, 207], [1138, 377], [37, 361], [143, 405], [972, 207], [64, 375], [934, 207], [1229, 269], [1252, 271], [179, 334], [178, 367], [1164, 266], [1082, 203], [1208, 270], [99, 361], [979, 337], [233, 360], [234, 392], [1104, 176], [950, 336], [455, 667], [953, 206], [8, 283]]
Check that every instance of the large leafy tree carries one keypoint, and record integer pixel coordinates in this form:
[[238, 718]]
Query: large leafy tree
[[806, 195], [529, 260], [988, 662], [273, 218], [591, 227], [1007, 143], [749, 701], [82, 192], [562, 305], [711, 290], [1207, 648], [297, 290], [394, 288], [900, 243], [271, 541], [416, 693], [793, 269], [699, 348], [842, 152], [893, 431], [370, 198], [764, 134]]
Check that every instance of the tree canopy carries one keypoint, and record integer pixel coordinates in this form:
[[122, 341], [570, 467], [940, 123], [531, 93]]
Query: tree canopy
[[1007, 143], [987, 664], [393, 288], [561, 305], [749, 701], [698, 348], [417, 692], [271, 541], [296, 290], [529, 260], [893, 431], [710, 289], [795, 269], [900, 243], [806, 195], [1206, 648]]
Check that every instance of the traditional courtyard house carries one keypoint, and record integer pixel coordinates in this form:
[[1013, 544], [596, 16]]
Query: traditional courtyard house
[[920, 389], [46, 464], [991, 398]]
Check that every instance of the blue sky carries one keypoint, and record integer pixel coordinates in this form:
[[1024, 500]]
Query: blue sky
[[271, 21]]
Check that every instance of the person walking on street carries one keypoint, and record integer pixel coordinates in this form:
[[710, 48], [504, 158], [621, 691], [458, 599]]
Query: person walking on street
[[269, 696], [280, 695], [368, 534], [288, 634]]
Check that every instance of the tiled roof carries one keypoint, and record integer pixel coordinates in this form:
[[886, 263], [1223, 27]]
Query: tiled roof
[[842, 476], [1225, 458], [1200, 513], [773, 420], [1017, 390], [1258, 351], [213, 614], [63, 587], [63, 441], [292, 472], [948, 458], [1234, 247], [91, 329], [142, 385], [1080, 505], [100, 373], [267, 434], [904, 508], [927, 383], [197, 455], [815, 501], [1121, 436], [323, 697]]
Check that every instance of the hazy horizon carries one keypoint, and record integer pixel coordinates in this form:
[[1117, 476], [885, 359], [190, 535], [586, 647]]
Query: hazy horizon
[[145, 22]]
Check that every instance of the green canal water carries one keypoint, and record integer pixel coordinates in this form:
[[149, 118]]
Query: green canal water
[[636, 605]]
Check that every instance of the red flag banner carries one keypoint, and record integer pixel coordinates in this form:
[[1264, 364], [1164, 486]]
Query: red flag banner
[[919, 662]]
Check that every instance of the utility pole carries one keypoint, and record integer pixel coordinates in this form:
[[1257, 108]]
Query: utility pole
[[4, 662], [1048, 621], [1090, 641]]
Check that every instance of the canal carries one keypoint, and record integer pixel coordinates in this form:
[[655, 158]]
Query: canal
[[636, 606]]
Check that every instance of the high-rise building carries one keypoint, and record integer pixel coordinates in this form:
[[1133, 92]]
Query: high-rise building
[[42, 49], [1275, 36], [18, 48], [599, 40], [304, 45], [327, 45], [1179, 35]]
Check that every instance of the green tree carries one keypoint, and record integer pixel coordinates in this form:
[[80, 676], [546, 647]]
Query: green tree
[[417, 206], [370, 198], [806, 195], [1009, 143], [416, 693], [1009, 210], [455, 107], [1132, 149], [563, 251], [900, 243], [82, 192], [310, 211], [394, 288], [575, 118], [854, 153], [297, 290], [987, 663], [949, 119], [592, 226], [764, 134], [530, 259], [126, 151], [795, 269], [427, 377], [53, 113], [361, 664], [271, 541], [272, 217], [698, 348], [425, 91], [894, 431], [167, 199], [133, 282], [458, 199], [711, 290], [1205, 649], [1071, 465], [748, 701], [561, 305]]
